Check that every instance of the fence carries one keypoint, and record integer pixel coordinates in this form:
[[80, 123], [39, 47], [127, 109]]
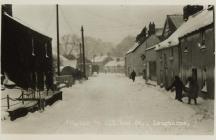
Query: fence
[[30, 96], [8, 98], [36, 95]]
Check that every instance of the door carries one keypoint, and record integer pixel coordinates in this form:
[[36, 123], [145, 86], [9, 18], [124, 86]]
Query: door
[[194, 74], [165, 71]]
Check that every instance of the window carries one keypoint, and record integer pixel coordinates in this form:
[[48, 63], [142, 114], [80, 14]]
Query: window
[[186, 50], [165, 60], [33, 50], [160, 55], [185, 45], [143, 57], [204, 81], [202, 40], [171, 54]]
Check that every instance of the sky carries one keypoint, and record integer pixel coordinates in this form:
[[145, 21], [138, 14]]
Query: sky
[[111, 23]]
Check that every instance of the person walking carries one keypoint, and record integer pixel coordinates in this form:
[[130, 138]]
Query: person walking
[[193, 90], [133, 75], [179, 87]]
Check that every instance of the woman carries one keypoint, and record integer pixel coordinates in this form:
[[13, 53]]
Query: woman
[[133, 75], [179, 87], [193, 90]]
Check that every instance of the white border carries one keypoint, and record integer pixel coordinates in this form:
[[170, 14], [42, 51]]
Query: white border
[[112, 2]]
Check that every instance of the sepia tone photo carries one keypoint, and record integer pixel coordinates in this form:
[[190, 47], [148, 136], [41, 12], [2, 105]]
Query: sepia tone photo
[[107, 69]]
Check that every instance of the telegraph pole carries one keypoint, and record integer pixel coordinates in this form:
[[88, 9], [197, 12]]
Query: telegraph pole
[[83, 53], [80, 45], [80, 49], [57, 25]]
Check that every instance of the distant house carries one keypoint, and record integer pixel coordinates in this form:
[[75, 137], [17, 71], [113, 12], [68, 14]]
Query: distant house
[[115, 66], [135, 58], [100, 61], [129, 60], [64, 62]]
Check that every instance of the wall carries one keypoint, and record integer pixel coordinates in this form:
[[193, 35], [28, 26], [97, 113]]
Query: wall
[[134, 62], [151, 60], [167, 65], [199, 59]]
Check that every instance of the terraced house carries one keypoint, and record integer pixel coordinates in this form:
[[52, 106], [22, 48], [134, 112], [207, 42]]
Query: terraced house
[[189, 51], [135, 58], [197, 51]]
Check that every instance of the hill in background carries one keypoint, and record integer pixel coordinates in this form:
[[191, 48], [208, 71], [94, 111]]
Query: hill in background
[[121, 48]]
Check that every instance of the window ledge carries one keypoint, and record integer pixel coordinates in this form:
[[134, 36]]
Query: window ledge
[[202, 47], [204, 89]]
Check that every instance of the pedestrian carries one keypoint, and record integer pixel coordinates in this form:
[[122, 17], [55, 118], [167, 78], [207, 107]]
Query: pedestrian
[[179, 87], [133, 75], [193, 90]]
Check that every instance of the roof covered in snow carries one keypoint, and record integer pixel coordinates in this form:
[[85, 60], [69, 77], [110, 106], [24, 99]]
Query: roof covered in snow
[[194, 23], [71, 63], [115, 63], [26, 25], [133, 48], [65, 61], [151, 40]]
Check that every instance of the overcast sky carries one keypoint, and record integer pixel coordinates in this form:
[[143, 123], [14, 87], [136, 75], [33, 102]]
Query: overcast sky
[[109, 23]]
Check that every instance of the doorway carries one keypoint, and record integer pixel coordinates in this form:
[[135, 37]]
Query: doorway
[[194, 74]]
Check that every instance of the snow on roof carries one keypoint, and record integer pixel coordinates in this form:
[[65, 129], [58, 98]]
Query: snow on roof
[[151, 40], [133, 48], [115, 63], [194, 23], [65, 61], [26, 25], [149, 48], [100, 58], [71, 63]]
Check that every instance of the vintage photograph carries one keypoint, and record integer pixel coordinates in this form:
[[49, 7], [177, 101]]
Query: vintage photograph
[[107, 69]]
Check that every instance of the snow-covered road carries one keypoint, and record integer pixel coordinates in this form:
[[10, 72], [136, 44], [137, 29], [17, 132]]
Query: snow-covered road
[[113, 104]]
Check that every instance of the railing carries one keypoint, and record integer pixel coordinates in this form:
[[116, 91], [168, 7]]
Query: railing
[[8, 101], [35, 94], [30, 96]]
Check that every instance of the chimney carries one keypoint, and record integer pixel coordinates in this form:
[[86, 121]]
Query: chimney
[[7, 8], [190, 10]]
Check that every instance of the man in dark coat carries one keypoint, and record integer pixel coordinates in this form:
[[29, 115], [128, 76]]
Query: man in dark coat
[[179, 87], [193, 90], [133, 75]]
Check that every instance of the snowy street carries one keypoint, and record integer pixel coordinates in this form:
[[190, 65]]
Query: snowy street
[[113, 104]]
